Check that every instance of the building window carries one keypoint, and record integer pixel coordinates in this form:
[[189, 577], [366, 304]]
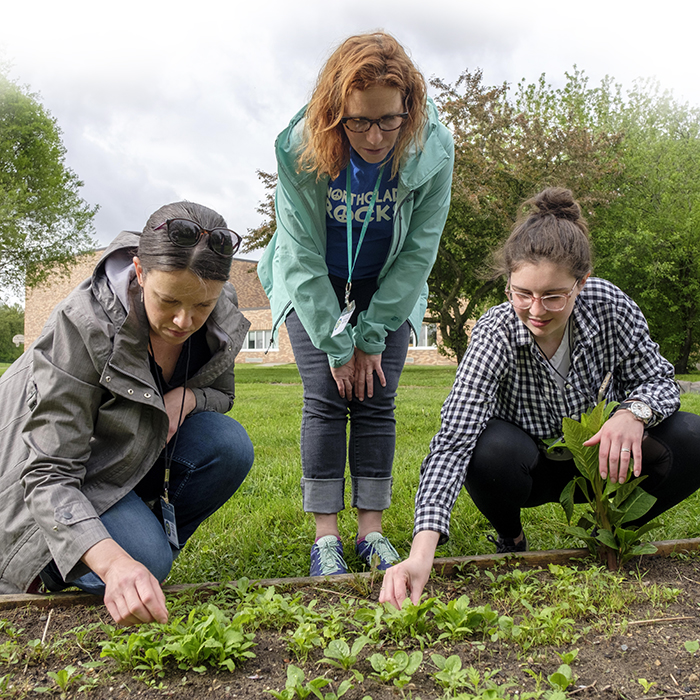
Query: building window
[[427, 338], [259, 340]]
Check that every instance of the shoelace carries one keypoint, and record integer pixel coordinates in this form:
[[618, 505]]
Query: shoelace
[[329, 557], [383, 549]]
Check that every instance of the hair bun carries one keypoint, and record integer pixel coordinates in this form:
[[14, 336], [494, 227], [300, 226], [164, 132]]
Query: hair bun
[[557, 201]]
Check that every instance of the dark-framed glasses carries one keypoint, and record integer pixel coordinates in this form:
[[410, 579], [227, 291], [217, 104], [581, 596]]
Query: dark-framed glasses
[[186, 234], [551, 302], [391, 122]]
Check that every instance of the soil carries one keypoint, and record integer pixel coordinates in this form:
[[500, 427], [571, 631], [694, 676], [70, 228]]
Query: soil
[[645, 642]]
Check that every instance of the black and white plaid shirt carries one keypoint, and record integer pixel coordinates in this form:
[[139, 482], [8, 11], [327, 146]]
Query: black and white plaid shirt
[[503, 375]]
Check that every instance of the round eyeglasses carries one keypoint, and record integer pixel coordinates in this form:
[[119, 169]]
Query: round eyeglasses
[[391, 122], [186, 234], [551, 302]]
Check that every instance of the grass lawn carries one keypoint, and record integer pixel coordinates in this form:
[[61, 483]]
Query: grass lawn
[[262, 532]]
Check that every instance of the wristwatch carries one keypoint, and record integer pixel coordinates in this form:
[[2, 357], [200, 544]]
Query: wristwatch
[[638, 409]]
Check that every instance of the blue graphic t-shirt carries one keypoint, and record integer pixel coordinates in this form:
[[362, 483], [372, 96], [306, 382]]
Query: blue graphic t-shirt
[[377, 242]]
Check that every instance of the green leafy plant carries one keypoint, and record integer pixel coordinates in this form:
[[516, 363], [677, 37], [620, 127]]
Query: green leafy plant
[[409, 621], [451, 676], [296, 688], [612, 505], [457, 619], [562, 678], [397, 669], [304, 639], [66, 681], [646, 685], [692, 647], [340, 655]]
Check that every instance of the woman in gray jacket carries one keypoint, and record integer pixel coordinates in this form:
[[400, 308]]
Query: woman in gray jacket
[[114, 442]]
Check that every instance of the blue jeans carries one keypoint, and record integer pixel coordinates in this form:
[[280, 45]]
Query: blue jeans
[[325, 414], [212, 457]]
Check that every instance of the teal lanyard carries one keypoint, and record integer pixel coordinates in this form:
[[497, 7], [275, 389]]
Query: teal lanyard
[[365, 224]]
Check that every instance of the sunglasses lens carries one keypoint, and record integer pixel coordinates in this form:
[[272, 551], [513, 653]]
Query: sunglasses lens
[[184, 233]]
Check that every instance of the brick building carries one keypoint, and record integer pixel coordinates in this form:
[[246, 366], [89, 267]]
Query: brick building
[[252, 301]]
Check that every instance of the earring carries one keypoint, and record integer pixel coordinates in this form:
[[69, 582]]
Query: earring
[[142, 295]]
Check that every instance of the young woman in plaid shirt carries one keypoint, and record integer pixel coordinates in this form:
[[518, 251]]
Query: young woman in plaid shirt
[[562, 339]]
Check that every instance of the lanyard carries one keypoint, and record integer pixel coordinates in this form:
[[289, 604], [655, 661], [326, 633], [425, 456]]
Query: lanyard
[[365, 224]]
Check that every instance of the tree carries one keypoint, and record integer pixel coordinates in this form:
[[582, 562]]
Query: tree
[[11, 324], [648, 240], [259, 237], [44, 223], [506, 150]]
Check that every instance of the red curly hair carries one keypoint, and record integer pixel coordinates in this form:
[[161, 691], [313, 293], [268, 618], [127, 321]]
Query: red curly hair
[[360, 62]]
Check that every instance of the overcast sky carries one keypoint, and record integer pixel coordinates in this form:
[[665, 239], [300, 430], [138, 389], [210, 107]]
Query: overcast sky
[[162, 101]]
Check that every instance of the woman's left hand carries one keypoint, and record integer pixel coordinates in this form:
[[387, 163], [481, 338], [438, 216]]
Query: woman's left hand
[[365, 366], [173, 406], [619, 439]]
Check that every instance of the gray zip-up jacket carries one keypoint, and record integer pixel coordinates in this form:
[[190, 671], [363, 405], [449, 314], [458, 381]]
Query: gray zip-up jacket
[[82, 419]]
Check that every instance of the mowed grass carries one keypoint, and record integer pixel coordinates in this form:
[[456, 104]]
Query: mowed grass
[[263, 533]]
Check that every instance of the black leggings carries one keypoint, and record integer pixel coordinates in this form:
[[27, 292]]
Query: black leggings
[[508, 472]]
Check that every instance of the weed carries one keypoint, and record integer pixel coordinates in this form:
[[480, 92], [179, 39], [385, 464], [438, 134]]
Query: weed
[[410, 621], [562, 678]]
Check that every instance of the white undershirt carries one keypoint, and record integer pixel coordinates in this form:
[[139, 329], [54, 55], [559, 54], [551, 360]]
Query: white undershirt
[[561, 360]]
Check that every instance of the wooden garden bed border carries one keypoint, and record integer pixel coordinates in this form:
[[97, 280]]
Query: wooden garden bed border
[[444, 566]]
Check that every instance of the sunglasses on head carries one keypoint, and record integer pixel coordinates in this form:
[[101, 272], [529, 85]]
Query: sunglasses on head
[[186, 234]]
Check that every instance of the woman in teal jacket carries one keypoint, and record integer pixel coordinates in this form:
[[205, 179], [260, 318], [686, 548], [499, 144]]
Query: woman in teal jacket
[[369, 136]]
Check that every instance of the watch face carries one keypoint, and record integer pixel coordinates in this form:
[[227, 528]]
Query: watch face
[[641, 410]]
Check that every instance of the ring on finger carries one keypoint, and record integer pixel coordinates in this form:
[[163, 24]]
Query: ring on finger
[[625, 449]]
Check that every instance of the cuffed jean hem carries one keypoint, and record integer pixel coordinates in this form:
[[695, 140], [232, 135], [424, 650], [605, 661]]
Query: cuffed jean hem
[[370, 493], [323, 495]]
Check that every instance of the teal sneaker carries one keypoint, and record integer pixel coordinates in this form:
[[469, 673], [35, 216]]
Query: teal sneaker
[[327, 557], [375, 547]]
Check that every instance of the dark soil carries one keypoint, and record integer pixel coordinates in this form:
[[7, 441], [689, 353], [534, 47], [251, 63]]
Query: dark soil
[[646, 642]]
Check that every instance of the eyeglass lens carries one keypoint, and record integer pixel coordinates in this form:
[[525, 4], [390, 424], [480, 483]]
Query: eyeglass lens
[[552, 302], [186, 234], [388, 123]]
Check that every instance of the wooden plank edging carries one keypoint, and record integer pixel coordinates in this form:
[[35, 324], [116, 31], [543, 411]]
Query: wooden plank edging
[[444, 566]]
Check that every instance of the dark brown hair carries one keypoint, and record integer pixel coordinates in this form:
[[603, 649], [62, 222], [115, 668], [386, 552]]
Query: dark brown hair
[[360, 62], [157, 252], [550, 227]]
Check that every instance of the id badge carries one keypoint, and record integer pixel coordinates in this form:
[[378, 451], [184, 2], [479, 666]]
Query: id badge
[[343, 319], [169, 522]]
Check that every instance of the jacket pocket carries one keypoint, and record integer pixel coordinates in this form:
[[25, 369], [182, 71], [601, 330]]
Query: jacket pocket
[[73, 513]]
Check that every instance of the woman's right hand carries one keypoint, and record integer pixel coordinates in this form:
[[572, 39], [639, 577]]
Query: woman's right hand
[[410, 576], [132, 594], [344, 377]]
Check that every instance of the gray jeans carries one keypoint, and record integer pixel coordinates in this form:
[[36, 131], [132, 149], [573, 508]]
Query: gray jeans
[[324, 441]]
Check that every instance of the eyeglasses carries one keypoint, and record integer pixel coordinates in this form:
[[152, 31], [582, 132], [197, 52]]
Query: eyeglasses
[[186, 234], [391, 122], [551, 302]]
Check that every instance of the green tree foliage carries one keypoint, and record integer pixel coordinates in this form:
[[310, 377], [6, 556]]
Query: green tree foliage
[[648, 240], [11, 324], [43, 221], [506, 150], [259, 237]]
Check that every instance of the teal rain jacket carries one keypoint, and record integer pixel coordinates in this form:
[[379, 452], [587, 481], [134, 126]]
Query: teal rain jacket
[[293, 268]]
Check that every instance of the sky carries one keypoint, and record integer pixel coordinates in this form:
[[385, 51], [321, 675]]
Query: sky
[[163, 101]]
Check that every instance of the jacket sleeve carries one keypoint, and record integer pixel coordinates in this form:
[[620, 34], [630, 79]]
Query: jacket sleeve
[[58, 434], [301, 246], [467, 409], [403, 284]]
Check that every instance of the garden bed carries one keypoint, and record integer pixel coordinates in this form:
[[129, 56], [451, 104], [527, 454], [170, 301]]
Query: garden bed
[[625, 633]]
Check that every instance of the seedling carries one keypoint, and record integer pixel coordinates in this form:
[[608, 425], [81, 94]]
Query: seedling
[[397, 669], [692, 646], [562, 678], [304, 639], [612, 505], [338, 654], [296, 688], [646, 685]]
